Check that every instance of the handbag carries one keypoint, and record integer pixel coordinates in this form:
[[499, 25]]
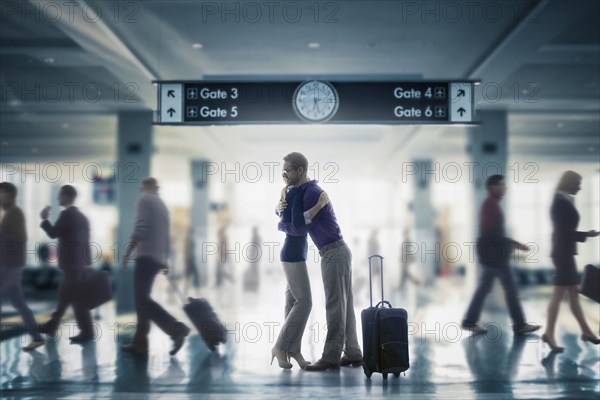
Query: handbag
[[94, 288], [590, 284]]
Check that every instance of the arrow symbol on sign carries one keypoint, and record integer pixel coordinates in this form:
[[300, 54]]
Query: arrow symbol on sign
[[461, 92], [171, 93], [170, 111], [461, 111]]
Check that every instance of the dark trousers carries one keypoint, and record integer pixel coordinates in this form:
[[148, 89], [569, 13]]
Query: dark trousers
[[10, 286], [147, 309], [485, 285], [67, 295]]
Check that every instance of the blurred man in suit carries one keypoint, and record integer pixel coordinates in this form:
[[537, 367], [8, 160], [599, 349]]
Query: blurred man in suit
[[151, 239], [13, 240], [72, 229]]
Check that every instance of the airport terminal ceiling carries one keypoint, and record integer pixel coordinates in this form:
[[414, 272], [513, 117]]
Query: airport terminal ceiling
[[536, 59]]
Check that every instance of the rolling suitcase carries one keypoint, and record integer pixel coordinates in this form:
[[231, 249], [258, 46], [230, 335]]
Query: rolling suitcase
[[203, 317], [385, 334]]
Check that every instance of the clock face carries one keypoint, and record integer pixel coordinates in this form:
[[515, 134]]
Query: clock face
[[315, 101]]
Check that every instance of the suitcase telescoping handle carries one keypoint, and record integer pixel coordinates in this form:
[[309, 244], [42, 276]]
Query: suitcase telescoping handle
[[176, 289], [383, 302]]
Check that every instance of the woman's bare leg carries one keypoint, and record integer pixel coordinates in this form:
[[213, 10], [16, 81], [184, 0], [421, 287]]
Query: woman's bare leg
[[553, 308], [578, 312]]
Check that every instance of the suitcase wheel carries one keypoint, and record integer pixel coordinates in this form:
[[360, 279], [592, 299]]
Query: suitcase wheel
[[385, 375], [396, 374]]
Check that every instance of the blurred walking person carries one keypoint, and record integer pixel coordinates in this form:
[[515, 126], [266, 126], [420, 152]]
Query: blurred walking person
[[223, 272], [565, 236], [13, 241], [251, 278], [72, 229], [493, 249], [151, 239]]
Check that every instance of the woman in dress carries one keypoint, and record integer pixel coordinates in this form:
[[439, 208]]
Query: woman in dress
[[565, 220]]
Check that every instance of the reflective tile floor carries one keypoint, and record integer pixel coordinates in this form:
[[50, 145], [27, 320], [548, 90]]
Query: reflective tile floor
[[446, 362]]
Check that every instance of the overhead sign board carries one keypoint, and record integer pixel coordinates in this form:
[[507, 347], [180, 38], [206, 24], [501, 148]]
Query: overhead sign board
[[314, 102]]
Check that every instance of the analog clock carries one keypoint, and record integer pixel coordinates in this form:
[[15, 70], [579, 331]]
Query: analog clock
[[315, 101]]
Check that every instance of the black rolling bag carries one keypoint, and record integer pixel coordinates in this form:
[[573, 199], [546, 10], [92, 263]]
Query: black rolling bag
[[206, 321], [385, 335]]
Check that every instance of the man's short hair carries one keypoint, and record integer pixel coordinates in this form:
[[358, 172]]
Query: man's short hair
[[298, 160], [150, 181], [493, 180], [68, 191], [8, 188]]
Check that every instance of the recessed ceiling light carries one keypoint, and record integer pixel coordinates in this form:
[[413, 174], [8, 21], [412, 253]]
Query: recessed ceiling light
[[34, 150], [560, 125], [197, 45], [314, 45], [591, 148], [49, 60], [65, 126], [4, 143]]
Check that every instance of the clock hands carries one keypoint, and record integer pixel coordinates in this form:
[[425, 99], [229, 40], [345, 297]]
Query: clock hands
[[317, 99], [324, 101]]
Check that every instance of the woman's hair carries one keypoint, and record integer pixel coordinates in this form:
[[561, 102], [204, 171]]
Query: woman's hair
[[568, 181]]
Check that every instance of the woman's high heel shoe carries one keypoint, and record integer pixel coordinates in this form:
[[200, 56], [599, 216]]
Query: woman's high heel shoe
[[553, 347], [282, 359], [590, 339], [302, 363]]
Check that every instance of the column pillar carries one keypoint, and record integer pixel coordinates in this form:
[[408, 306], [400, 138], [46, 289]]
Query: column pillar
[[134, 151], [424, 215]]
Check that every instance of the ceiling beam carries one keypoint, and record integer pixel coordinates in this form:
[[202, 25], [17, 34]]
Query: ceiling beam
[[566, 54], [102, 42], [527, 37]]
